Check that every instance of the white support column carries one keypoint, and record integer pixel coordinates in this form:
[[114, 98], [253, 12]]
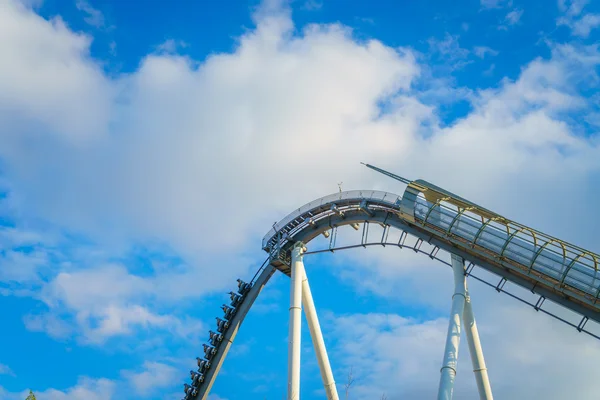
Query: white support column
[[318, 342], [297, 275], [448, 371], [479, 369]]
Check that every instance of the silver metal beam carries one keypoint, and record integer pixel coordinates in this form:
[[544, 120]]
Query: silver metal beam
[[294, 346], [479, 368], [318, 342], [448, 371]]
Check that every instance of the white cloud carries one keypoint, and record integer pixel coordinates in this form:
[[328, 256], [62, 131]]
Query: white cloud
[[449, 51], [94, 17], [495, 3], [171, 46], [51, 324], [141, 382], [178, 203], [586, 24], [35, 4], [13, 237], [404, 356], [5, 370], [572, 7], [215, 397], [154, 376], [448, 46], [219, 116], [580, 25], [482, 51], [25, 255], [115, 320], [490, 70], [89, 288], [86, 389], [397, 350], [112, 48], [105, 302], [312, 5], [547, 84], [45, 84], [513, 17], [16, 266]]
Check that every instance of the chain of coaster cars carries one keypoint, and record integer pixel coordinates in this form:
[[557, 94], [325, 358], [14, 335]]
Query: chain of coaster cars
[[215, 339]]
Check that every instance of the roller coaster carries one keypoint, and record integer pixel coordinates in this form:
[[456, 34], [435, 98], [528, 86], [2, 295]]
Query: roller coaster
[[434, 219]]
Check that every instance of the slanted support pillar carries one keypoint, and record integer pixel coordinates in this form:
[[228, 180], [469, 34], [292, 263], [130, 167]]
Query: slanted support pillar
[[448, 371], [318, 342], [297, 275], [479, 368]]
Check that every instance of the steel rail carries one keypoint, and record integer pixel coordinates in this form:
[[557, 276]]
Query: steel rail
[[346, 208], [536, 306], [573, 294]]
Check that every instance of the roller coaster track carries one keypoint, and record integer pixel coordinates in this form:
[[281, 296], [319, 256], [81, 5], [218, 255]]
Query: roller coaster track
[[436, 220]]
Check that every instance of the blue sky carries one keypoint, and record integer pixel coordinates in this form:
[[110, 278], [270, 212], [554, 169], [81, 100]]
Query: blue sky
[[145, 151]]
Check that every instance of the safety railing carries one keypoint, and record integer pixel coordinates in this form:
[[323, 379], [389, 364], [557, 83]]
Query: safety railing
[[560, 263], [314, 207]]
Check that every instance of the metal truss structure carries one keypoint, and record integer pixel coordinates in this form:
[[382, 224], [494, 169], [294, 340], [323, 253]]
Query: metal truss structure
[[436, 219]]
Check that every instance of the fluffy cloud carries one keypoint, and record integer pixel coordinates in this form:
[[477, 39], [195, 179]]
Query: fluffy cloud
[[170, 46], [104, 303], [585, 25], [85, 389], [54, 325], [5, 370], [178, 121], [580, 24], [482, 51], [402, 357], [153, 376], [495, 3], [449, 51], [134, 157], [142, 382], [94, 17], [47, 84], [572, 7], [514, 16], [91, 288]]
